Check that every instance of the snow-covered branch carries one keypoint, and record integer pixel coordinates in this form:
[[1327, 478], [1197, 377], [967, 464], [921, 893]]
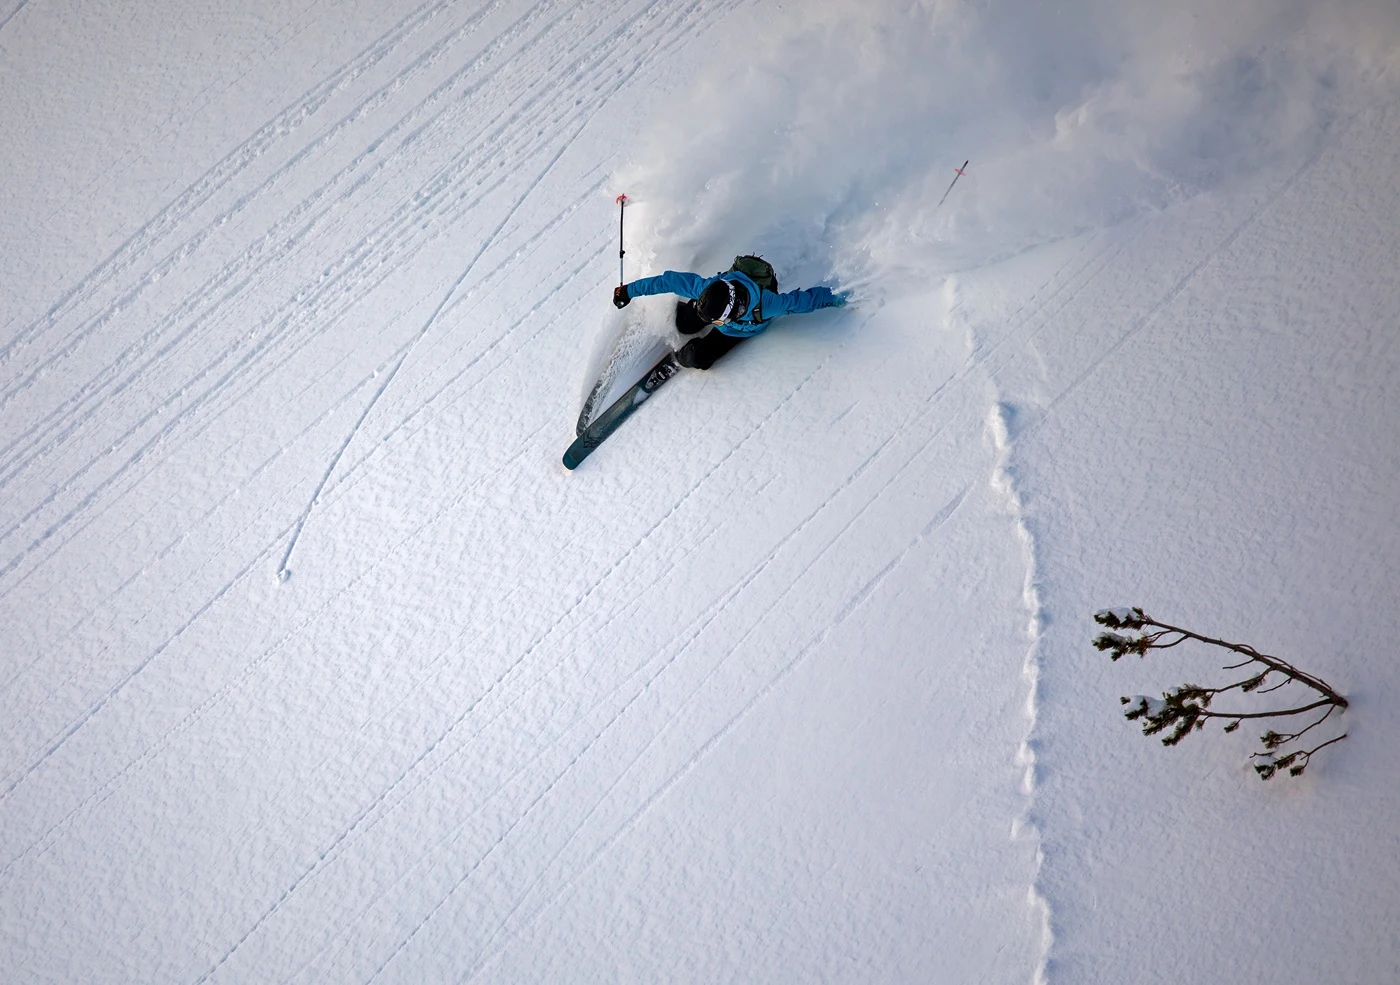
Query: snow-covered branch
[[1185, 709]]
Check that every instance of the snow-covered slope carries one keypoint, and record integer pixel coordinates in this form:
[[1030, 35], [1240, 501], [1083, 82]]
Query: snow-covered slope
[[317, 666]]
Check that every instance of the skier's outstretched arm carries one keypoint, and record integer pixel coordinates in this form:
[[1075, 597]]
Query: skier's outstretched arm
[[801, 302], [681, 282]]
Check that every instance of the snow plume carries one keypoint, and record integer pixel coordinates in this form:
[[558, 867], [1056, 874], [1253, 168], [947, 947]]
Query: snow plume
[[824, 137]]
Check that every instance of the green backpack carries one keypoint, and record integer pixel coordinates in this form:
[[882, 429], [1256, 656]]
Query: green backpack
[[760, 271]]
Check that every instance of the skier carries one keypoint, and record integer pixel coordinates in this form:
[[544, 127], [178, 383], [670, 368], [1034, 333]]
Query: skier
[[732, 305]]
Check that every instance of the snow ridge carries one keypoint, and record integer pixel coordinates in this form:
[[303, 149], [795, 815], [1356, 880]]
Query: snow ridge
[[1001, 426]]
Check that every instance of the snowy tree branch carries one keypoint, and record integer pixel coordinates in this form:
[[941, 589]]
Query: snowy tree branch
[[1185, 709]]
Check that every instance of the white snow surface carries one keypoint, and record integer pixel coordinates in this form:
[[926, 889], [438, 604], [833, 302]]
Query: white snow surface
[[318, 667]]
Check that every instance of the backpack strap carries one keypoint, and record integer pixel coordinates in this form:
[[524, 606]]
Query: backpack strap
[[754, 314], [756, 309]]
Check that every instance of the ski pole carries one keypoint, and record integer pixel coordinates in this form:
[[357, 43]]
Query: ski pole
[[621, 211], [952, 183]]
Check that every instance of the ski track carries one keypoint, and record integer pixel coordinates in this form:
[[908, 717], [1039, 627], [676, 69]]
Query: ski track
[[490, 240], [221, 175], [577, 269], [11, 15], [851, 606], [407, 217], [216, 388], [715, 610], [103, 793], [136, 482], [594, 109], [309, 429], [223, 387], [413, 218]]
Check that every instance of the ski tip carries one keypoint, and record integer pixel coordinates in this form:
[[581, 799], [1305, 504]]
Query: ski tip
[[621, 200]]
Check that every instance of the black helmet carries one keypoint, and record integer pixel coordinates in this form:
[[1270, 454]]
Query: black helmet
[[722, 301]]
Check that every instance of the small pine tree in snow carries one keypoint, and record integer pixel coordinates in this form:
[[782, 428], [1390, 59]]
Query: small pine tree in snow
[[1186, 709]]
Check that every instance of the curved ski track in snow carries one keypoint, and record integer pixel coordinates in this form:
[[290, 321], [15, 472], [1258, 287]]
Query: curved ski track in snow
[[282, 570], [232, 375], [583, 109], [404, 222], [406, 217]]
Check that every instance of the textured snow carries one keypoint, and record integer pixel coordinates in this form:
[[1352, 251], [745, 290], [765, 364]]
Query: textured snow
[[793, 679]]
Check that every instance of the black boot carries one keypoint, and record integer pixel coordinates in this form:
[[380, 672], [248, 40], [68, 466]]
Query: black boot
[[688, 320], [701, 353]]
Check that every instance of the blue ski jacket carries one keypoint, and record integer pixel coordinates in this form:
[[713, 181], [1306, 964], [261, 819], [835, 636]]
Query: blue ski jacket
[[771, 305]]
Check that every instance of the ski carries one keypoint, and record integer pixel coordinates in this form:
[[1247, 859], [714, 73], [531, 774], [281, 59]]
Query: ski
[[611, 419]]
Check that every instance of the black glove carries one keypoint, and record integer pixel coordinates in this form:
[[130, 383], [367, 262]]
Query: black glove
[[620, 296]]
